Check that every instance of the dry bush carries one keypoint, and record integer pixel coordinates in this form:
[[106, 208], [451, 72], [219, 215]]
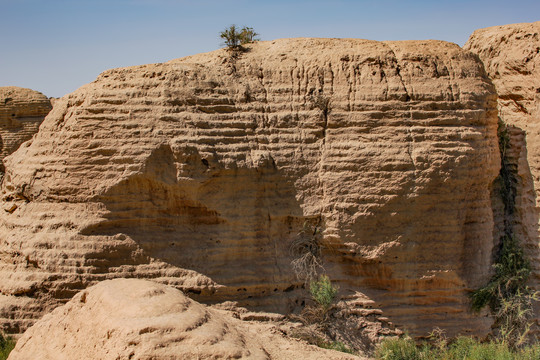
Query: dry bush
[[306, 249]]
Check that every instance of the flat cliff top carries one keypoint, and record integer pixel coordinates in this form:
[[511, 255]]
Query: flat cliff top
[[19, 93], [320, 49], [511, 54], [16, 102], [21, 112]]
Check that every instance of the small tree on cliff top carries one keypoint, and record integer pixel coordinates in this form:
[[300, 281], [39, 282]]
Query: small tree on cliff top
[[234, 38]]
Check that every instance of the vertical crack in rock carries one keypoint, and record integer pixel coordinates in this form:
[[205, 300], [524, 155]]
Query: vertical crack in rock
[[410, 149], [512, 60], [398, 71]]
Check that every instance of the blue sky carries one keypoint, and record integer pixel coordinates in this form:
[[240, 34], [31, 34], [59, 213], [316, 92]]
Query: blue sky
[[56, 46]]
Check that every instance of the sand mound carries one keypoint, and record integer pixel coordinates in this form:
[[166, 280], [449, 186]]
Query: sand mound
[[140, 319]]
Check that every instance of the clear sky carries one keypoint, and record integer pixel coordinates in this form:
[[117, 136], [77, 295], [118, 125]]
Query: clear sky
[[56, 46]]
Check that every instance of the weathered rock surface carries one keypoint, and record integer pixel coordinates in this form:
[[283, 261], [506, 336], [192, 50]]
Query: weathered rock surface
[[200, 172], [140, 319], [21, 112], [511, 54]]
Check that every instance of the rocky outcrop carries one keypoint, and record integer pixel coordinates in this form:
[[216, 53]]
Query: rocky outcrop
[[140, 319], [200, 173], [511, 55], [21, 113]]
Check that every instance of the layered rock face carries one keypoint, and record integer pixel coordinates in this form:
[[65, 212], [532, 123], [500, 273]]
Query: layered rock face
[[511, 54], [201, 172], [21, 112], [139, 319]]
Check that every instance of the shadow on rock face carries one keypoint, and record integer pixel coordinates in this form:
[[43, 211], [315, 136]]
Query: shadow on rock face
[[231, 225]]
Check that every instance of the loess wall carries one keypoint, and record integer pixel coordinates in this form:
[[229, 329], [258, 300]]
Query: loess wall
[[511, 55], [201, 172], [21, 112]]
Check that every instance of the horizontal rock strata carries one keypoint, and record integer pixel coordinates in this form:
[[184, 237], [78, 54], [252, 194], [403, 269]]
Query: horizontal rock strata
[[21, 112], [201, 172], [511, 54]]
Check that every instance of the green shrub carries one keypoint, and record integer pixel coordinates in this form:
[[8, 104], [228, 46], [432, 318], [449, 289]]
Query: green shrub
[[467, 348], [463, 348], [530, 352], [507, 294], [398, 349], [512, 271], [336, 345], [6, 345], [231, 37], [323, 292], [248, 35]]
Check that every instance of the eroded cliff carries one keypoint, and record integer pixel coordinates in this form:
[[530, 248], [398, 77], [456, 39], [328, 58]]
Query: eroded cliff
[[21, 112], [200, 172], [511, 55]]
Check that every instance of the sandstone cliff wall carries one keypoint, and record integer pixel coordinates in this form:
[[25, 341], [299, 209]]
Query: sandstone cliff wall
[[21, 113], [511, 55], [200, 172]]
